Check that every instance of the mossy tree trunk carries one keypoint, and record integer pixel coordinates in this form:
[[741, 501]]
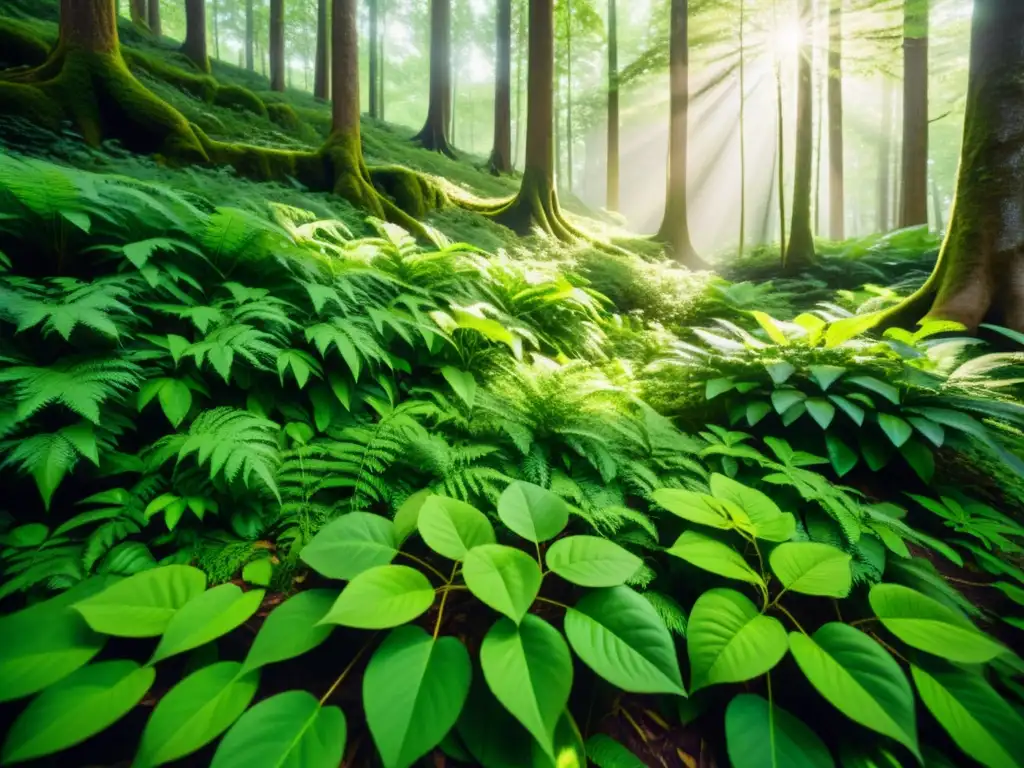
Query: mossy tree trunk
[[612, 193], [374, 73], [836, 191], [536, 204], [800, 249], [322, 72], [980, 273], [277, 60], [153, 17], [434, 135], [195, 34], [914, 179], [250, 36], [501, 153], [675, 229]]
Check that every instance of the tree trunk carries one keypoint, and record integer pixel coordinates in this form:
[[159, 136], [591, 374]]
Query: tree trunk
[[819, 114], [612, 189], [383, 37], [277, 59], [250, 37], [454, 109], [675, 229], [885, 158], [194, 46], [434, 135], [153, 17], [914, 203], [139, 13], [780, 158], [568, 94], [836, 192], [800, 249], [557, 123], [980, 273], [322, 72], [937, 206], [374, 63], [216, 30], [519, 81], [501, 153]]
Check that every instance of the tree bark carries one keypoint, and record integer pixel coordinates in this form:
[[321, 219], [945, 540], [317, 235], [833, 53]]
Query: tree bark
[[153, 17], [277, 59], [836, 192], [374, 64], [885, 158], [250, 37], [800, 249], [568, 94], [501, 153], [519, 81], [434, 135], [383, 37], [194, 46], [979, 276], [914, 203], [675, 229], [612, 188], [139, 12], [322, 71], [216, 30]]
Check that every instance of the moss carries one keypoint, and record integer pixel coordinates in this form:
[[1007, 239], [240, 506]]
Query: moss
[[283, 115], [20, 46], [413, 192], [203, 87], [236, 97], [263, 164]]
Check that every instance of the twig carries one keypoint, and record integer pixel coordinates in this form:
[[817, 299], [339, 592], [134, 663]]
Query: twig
[[424, 563]]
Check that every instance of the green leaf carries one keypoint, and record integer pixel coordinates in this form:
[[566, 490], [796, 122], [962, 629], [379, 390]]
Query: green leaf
[[407, 516], [258, 572], [784, 399], [860, 679], [888, 391], [77, 707], [812, 568], [715, 387], [289, 730], [855, 412], [767, 521], [532, 512], [352, 544], [451, 527], [842, 456], [695, 507], [821, 410], [934, 432], [382, 597], [826, 375], [730, 641], [920, 458], [490, 733], [462, 382], [207, 617], [195, 712], [591, 561], [841, 331], [291, 629], [26, 536], [977, 718], [771, 327], [896, 429], [619, 635], [529, 669], [504, 578], [926, 624], [143, 605], [712, 555], [175, 400], [757, 411], [605, 752], [759, 735], [413, 691], [780, 372]]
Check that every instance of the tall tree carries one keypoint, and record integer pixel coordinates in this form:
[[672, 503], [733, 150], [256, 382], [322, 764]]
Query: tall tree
[[520, 33], [885, 158], [612, 193], [277, 58], [250, 36], [501, 153], [383, 50], [194, 46], [139, 12], [216, 29], [374, 64], [153, 17], [836, 192], [434, 135], [568, 94], [979, 276], [914, 178], [675, 228], [800, 248], [322, 67]]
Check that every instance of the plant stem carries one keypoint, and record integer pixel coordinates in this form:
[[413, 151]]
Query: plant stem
[[347, 669], [444, 599], [553, 602], [424, 563], [968, 583], [790, 617]]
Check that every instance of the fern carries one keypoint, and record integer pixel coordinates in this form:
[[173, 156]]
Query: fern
[[99, 305]]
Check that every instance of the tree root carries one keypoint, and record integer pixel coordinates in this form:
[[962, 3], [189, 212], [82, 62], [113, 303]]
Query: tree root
[[433, 138]]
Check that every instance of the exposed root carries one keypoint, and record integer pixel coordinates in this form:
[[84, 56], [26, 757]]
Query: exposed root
[[433, 137], [412, 192]]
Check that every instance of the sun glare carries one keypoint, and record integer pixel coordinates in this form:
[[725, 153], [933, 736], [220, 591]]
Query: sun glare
[[785, 38]]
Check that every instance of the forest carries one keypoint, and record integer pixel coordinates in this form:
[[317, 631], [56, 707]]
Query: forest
[[512, 383]]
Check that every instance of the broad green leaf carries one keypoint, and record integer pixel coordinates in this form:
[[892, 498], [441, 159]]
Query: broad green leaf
[[26, 536], [842, 456], [352, 544], [591, 561], [977, 718], [784, 399], [175, 400], [712, 555], [413, 691], [855, 412], [605, 752], [771, 327], [259, 573], [207, 617], [767, 521], [619, 635], [529, 670], [730, 641], [715, 387], [812, 568], [821, 410], [532, 512], [77, 707], [291, 629], [569, 749], [451, 527], [926, 624], [695, 507], [142, 605], [886, 390], [896, 429], [826, 375], [493, 737], [934, 432], [289, 730], [505, 578], [920, 458], [780, 372], [860, 679], [462, 382], [382, 597], [759, 735], [195, 712], [407, 516]]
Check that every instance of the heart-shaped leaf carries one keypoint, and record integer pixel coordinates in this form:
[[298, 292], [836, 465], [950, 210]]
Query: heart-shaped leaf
[[505, 578], [382, 597], [759, 735], [532, 512], [591, 561], [812, 568], [207, 617], [352, 544], [451, 527], [712, 555], [766, 520], [462, 382], [142, 605], [696, 507], [292, 629]]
